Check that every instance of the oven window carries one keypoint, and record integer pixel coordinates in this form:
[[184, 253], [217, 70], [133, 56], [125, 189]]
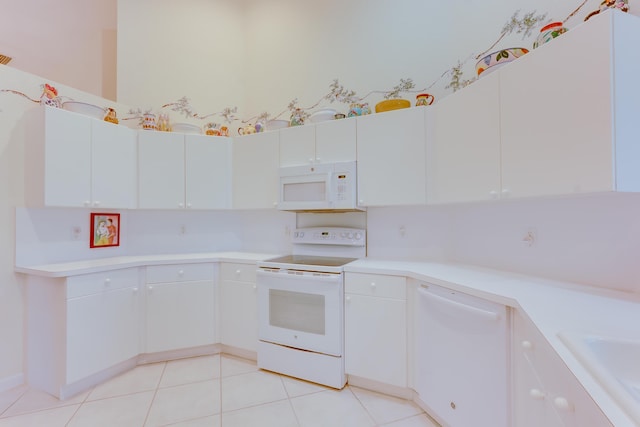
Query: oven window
[[304, 192], [297, 311]]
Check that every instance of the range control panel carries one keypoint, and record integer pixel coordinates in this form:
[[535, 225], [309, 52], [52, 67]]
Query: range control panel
[[330, 236]]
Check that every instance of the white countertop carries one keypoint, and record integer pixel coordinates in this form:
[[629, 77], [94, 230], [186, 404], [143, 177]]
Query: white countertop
[[104, 264], [555, 307]]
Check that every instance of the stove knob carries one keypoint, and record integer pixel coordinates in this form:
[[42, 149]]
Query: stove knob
[[358, 236], [301, 234], [350, 235]]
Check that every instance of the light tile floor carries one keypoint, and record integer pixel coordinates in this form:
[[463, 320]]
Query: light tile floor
[[209, 391]]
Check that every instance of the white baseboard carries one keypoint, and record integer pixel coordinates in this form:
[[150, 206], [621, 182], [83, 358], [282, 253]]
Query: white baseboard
[[10, 382]]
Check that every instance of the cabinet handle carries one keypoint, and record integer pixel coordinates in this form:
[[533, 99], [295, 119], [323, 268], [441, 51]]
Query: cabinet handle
[[527, 345], [536, 394], [361, 202], [238, 272], [87, 203], [506, 192], [310, 160], [135, 290], [373, 285], [348, 299], [96, 203], [180, 205], [150, 288], [493, 194], [275, 204], [562, 403], [318, 159], [188, 205], [107, 281], [180, 272], [255, 287]]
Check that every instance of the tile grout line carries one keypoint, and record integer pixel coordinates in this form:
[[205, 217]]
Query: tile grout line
[[155, 393], [14, 402]]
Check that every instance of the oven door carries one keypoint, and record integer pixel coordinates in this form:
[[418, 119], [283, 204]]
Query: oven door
[[302, 310]]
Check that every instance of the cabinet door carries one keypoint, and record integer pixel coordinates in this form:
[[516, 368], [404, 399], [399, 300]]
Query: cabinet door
[[160, 170], [336, 141], [376, 339], [180, 315], [531, 405], [102, 331], [67, 159], [391, 158], [566, 401], [463, 157], [208, 172], [556, 116], [239, 314], [255, 171], [113, 165], [298, 145]]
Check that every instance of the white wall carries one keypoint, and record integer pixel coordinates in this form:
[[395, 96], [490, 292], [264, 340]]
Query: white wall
[[169, 49], [69, 41], [260, 55]]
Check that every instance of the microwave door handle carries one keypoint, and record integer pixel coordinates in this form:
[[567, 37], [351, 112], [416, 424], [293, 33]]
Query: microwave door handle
[[329, 189]]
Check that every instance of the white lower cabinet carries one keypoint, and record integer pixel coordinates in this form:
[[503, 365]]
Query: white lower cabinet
[[238, 306], [79, 327], [180, 310], [376, 328], [545, 392]]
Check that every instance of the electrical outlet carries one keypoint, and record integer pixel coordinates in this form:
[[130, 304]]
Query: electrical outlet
[[76, 231], [403, 231], [530, 237], [183, 229]]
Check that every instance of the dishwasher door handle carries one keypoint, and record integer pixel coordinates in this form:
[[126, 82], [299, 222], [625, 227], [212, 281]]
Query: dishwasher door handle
[[475, 311]]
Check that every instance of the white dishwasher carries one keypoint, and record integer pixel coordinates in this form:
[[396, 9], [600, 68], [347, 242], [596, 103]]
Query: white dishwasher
[[461, 357]]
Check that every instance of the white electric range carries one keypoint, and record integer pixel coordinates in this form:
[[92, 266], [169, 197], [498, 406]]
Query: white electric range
[[301, 305]]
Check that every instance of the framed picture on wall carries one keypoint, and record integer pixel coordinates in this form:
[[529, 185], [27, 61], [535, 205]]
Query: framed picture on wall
[[105, 230]]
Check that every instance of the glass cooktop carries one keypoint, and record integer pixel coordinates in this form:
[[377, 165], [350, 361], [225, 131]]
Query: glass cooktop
[[320, 261]]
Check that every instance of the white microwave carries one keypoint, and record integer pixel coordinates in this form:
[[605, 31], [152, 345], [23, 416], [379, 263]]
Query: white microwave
[[319, 187]]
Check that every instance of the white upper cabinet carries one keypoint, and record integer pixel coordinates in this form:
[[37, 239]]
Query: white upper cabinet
[[113, 165], [565, 120], [391, 158], [160, 170], [177, 171], [326, 142], [463, 156], [255, 171], [298, 145], [208, 172], [77, 161]]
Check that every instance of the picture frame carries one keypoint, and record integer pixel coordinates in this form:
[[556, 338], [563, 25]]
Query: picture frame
[[105, 230]]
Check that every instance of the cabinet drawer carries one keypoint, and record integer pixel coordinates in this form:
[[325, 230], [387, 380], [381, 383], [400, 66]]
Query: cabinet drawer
[[238, 272], [88, 284], [180, 273], [376, 285]]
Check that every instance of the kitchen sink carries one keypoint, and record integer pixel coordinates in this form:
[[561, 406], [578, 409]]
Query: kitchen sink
[[614, 362]]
